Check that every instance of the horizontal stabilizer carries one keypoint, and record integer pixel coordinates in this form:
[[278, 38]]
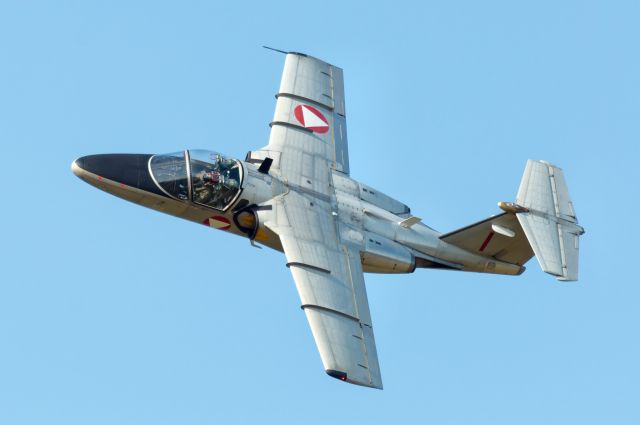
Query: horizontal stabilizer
[[549, 220], [500, 237]]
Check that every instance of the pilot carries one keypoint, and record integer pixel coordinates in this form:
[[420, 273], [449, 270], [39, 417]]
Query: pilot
[[225, 164], [216, 186], [203, 185], [224, 189], [211, 178]]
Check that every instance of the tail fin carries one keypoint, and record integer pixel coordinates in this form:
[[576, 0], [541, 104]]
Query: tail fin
[[542, 222], [548, 219]]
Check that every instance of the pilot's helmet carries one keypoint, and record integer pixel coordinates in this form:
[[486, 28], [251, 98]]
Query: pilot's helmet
[[211, 177]]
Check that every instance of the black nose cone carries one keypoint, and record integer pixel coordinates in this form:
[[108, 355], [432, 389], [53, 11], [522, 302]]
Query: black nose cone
[[128, 169]]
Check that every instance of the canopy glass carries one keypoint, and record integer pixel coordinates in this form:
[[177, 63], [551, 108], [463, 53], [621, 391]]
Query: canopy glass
[[210, 179]]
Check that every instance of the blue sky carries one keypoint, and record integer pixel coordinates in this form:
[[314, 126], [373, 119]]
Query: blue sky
[[111, 313]]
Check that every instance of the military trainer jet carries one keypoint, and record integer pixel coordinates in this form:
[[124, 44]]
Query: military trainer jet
[[296, 195]]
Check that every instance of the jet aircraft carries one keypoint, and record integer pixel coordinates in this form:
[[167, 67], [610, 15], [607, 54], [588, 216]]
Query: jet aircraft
[[296, 195]]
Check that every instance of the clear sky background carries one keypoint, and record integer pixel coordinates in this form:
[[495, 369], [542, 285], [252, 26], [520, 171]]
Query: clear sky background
[[114, 314]]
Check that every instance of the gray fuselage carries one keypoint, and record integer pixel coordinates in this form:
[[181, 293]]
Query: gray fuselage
[[364, 216]]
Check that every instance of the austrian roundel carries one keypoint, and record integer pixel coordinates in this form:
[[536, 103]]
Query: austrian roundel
[[217, 222], [311, 118]]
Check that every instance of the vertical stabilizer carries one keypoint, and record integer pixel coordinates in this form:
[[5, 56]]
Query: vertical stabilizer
[[549, 219]]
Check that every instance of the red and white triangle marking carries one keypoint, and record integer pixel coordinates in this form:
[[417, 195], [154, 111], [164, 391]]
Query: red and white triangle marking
[[311, 118], [217, 222]]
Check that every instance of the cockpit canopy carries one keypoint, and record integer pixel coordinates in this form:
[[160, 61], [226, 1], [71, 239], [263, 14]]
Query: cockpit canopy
[[204, 177]]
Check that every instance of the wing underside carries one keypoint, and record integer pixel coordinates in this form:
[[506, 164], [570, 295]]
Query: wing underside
[[308, 142], [309, 128], [329, 278]]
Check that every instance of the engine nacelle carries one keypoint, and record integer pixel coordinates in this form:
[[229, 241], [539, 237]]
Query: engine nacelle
[[382, 255]]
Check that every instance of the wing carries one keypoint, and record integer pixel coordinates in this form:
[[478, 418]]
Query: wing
[[309, 128], [308, 141], [329, 278]]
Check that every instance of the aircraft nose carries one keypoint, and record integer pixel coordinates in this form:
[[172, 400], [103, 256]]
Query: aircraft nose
[[129, 170]]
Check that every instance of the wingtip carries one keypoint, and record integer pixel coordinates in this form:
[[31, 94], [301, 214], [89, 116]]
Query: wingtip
[[342, 376], [337, 374]]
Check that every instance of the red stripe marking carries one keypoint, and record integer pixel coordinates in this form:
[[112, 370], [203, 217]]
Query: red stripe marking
[[486, 241]]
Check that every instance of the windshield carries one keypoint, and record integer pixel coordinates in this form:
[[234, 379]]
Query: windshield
[[170, 173], [215, 180]]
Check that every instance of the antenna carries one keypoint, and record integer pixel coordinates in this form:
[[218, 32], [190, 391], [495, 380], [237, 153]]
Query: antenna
[[275, 50]]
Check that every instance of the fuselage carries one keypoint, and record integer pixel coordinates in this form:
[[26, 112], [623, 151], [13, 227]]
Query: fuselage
[[234, 196]]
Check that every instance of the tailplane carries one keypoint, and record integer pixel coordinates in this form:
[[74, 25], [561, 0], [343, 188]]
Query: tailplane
[[542, 222], [549, 219], [500, 237]]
